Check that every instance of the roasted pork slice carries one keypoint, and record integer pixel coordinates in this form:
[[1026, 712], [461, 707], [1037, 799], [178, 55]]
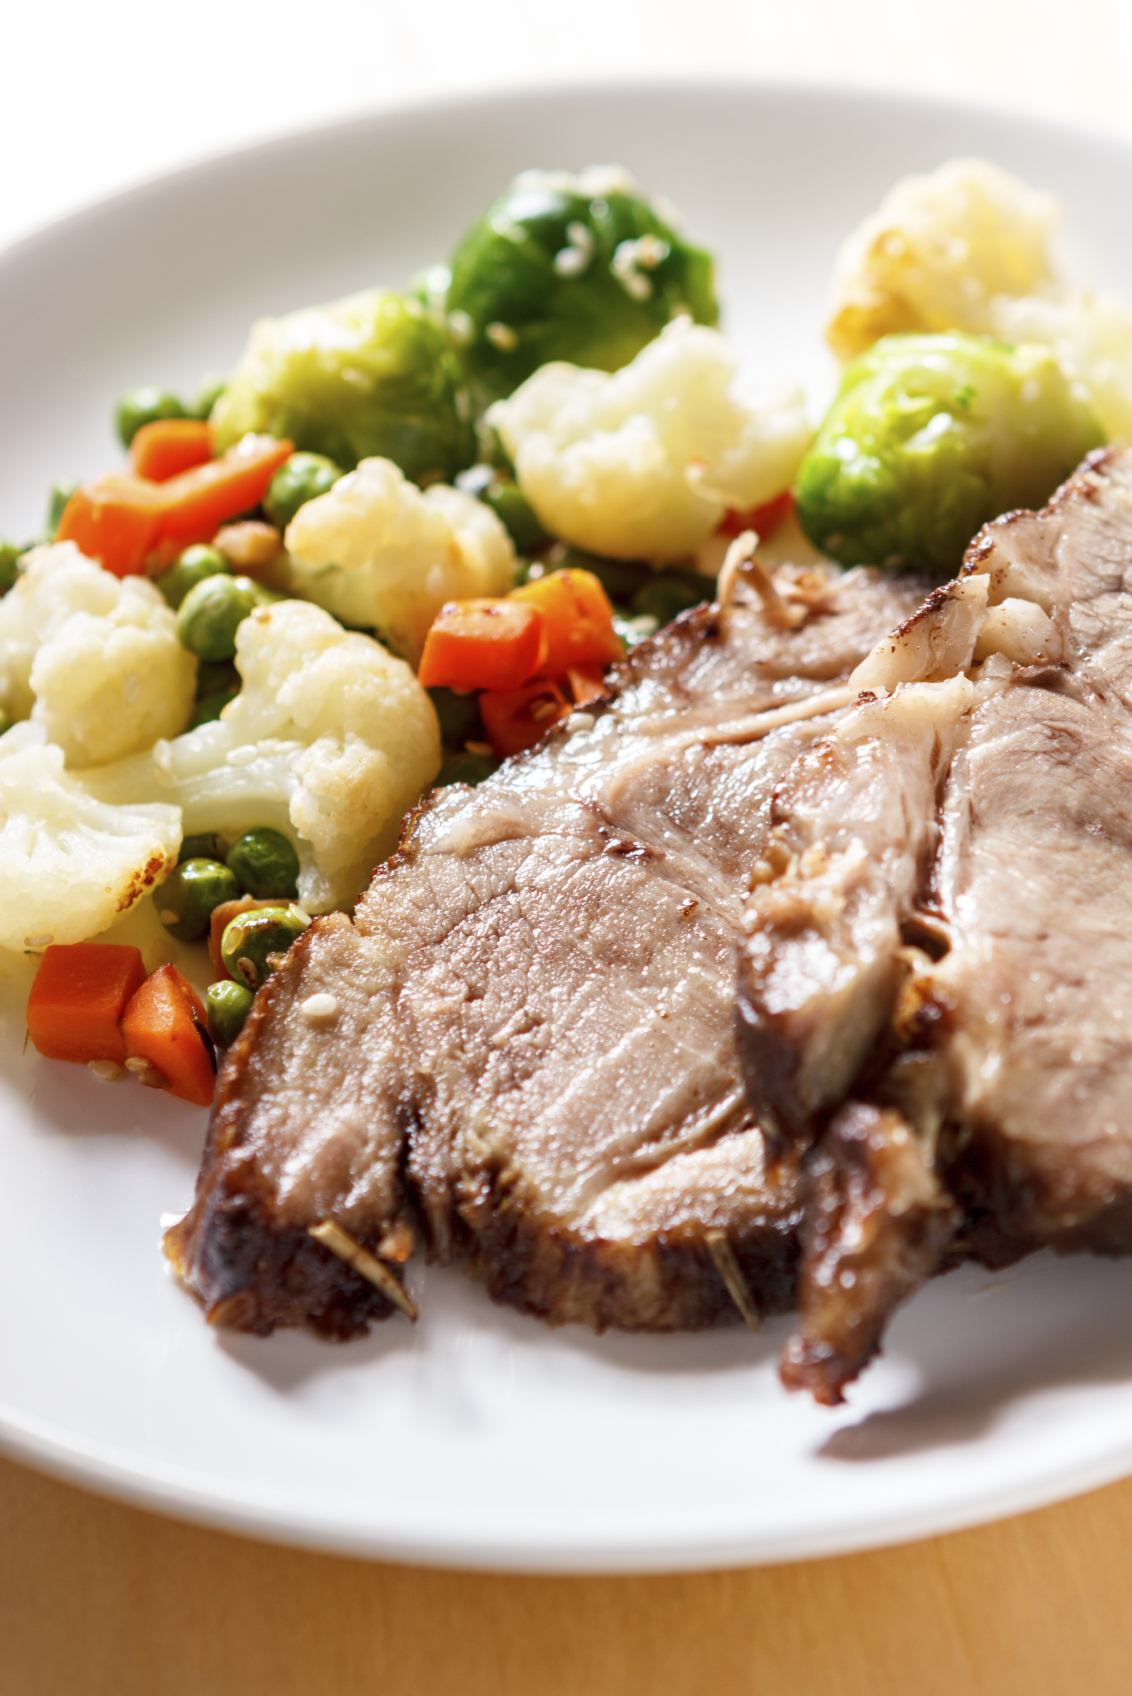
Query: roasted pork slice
[[522, 1051], [936, 991]]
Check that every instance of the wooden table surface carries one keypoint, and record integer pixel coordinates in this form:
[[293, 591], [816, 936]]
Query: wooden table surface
[[98, 1599]]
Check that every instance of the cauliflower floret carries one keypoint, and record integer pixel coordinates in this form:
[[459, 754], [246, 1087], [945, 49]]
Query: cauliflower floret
[[378, 553], [643, 462], [937, 252], [70, 864], [968, 248], [93, 658], [330, 740]]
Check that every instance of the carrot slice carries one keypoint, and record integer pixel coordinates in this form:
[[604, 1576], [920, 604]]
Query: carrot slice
[[122, 520], [518, 718], [169, 446], [78, 998], [763, 520], [200, 501], [578, 620], [115, 520], [162, 1025], [586, 682], [483, 645]]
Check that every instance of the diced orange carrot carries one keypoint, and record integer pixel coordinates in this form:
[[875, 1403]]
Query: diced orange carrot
[[587, 683], [169, 446], [517, 718], [115, 520], [163, 1025], [200, 501], [763, 520], [578, 620], [483, 645], [78, 999], [128, 523]]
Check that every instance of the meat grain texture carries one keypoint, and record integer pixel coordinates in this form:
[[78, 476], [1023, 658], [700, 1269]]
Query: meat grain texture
[[936, 988], [530, 1063]]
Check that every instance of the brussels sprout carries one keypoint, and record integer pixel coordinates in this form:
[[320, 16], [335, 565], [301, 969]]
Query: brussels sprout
[[577, 268], [672, 592], [265, 864], [228, 1004], [515, 512], [299, 480], [932, 436], [365, 377], [190, 568], [206, 397], [144, 406]]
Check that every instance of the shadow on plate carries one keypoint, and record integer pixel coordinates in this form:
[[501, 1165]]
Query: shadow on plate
[[980, 1343]]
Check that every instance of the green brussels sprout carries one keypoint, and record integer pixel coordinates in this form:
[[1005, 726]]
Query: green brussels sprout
[[187, 897], [191, 567], [213, 611], [515, 512], [929, 438], [144, 406], [265, 864], [362, 377], [57, 497], [576, 268], [227, 1004], [298, 480]]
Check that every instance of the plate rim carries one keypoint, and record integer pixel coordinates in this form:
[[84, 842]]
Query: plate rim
[[32, 1441]]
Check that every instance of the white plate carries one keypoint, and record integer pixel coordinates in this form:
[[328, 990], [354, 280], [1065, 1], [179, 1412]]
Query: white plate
[[479, 1438]]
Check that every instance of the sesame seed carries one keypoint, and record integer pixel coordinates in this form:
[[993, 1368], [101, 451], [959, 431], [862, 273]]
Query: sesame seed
[[319, 1007], [106, 1071], [579, 721], [502, 336]]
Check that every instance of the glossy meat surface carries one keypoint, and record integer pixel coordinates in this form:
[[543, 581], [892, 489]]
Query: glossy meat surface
[[531, 1060]]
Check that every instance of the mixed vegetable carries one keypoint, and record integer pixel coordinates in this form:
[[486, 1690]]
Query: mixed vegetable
[[411, 532]]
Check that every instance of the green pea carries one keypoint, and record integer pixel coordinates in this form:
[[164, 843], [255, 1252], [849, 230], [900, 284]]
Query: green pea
[[57, 497], [459, 717], [213, 611], [466, 768], [265, 864], [299, 480], [511, 506], [671, 592], [9, 565], [228, 1004], [190, 568], [252, 941], [188, 895], [205, 845], [206, 397], [144, 406]]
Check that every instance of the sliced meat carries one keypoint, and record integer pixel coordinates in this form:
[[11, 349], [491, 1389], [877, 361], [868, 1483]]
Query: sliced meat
[[981, 984], [522, 1051]]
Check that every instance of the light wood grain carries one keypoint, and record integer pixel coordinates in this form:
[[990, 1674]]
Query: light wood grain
[[97, 1599]]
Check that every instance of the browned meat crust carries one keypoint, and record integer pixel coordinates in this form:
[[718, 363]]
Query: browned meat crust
[[531, 1063], [955, 857]]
